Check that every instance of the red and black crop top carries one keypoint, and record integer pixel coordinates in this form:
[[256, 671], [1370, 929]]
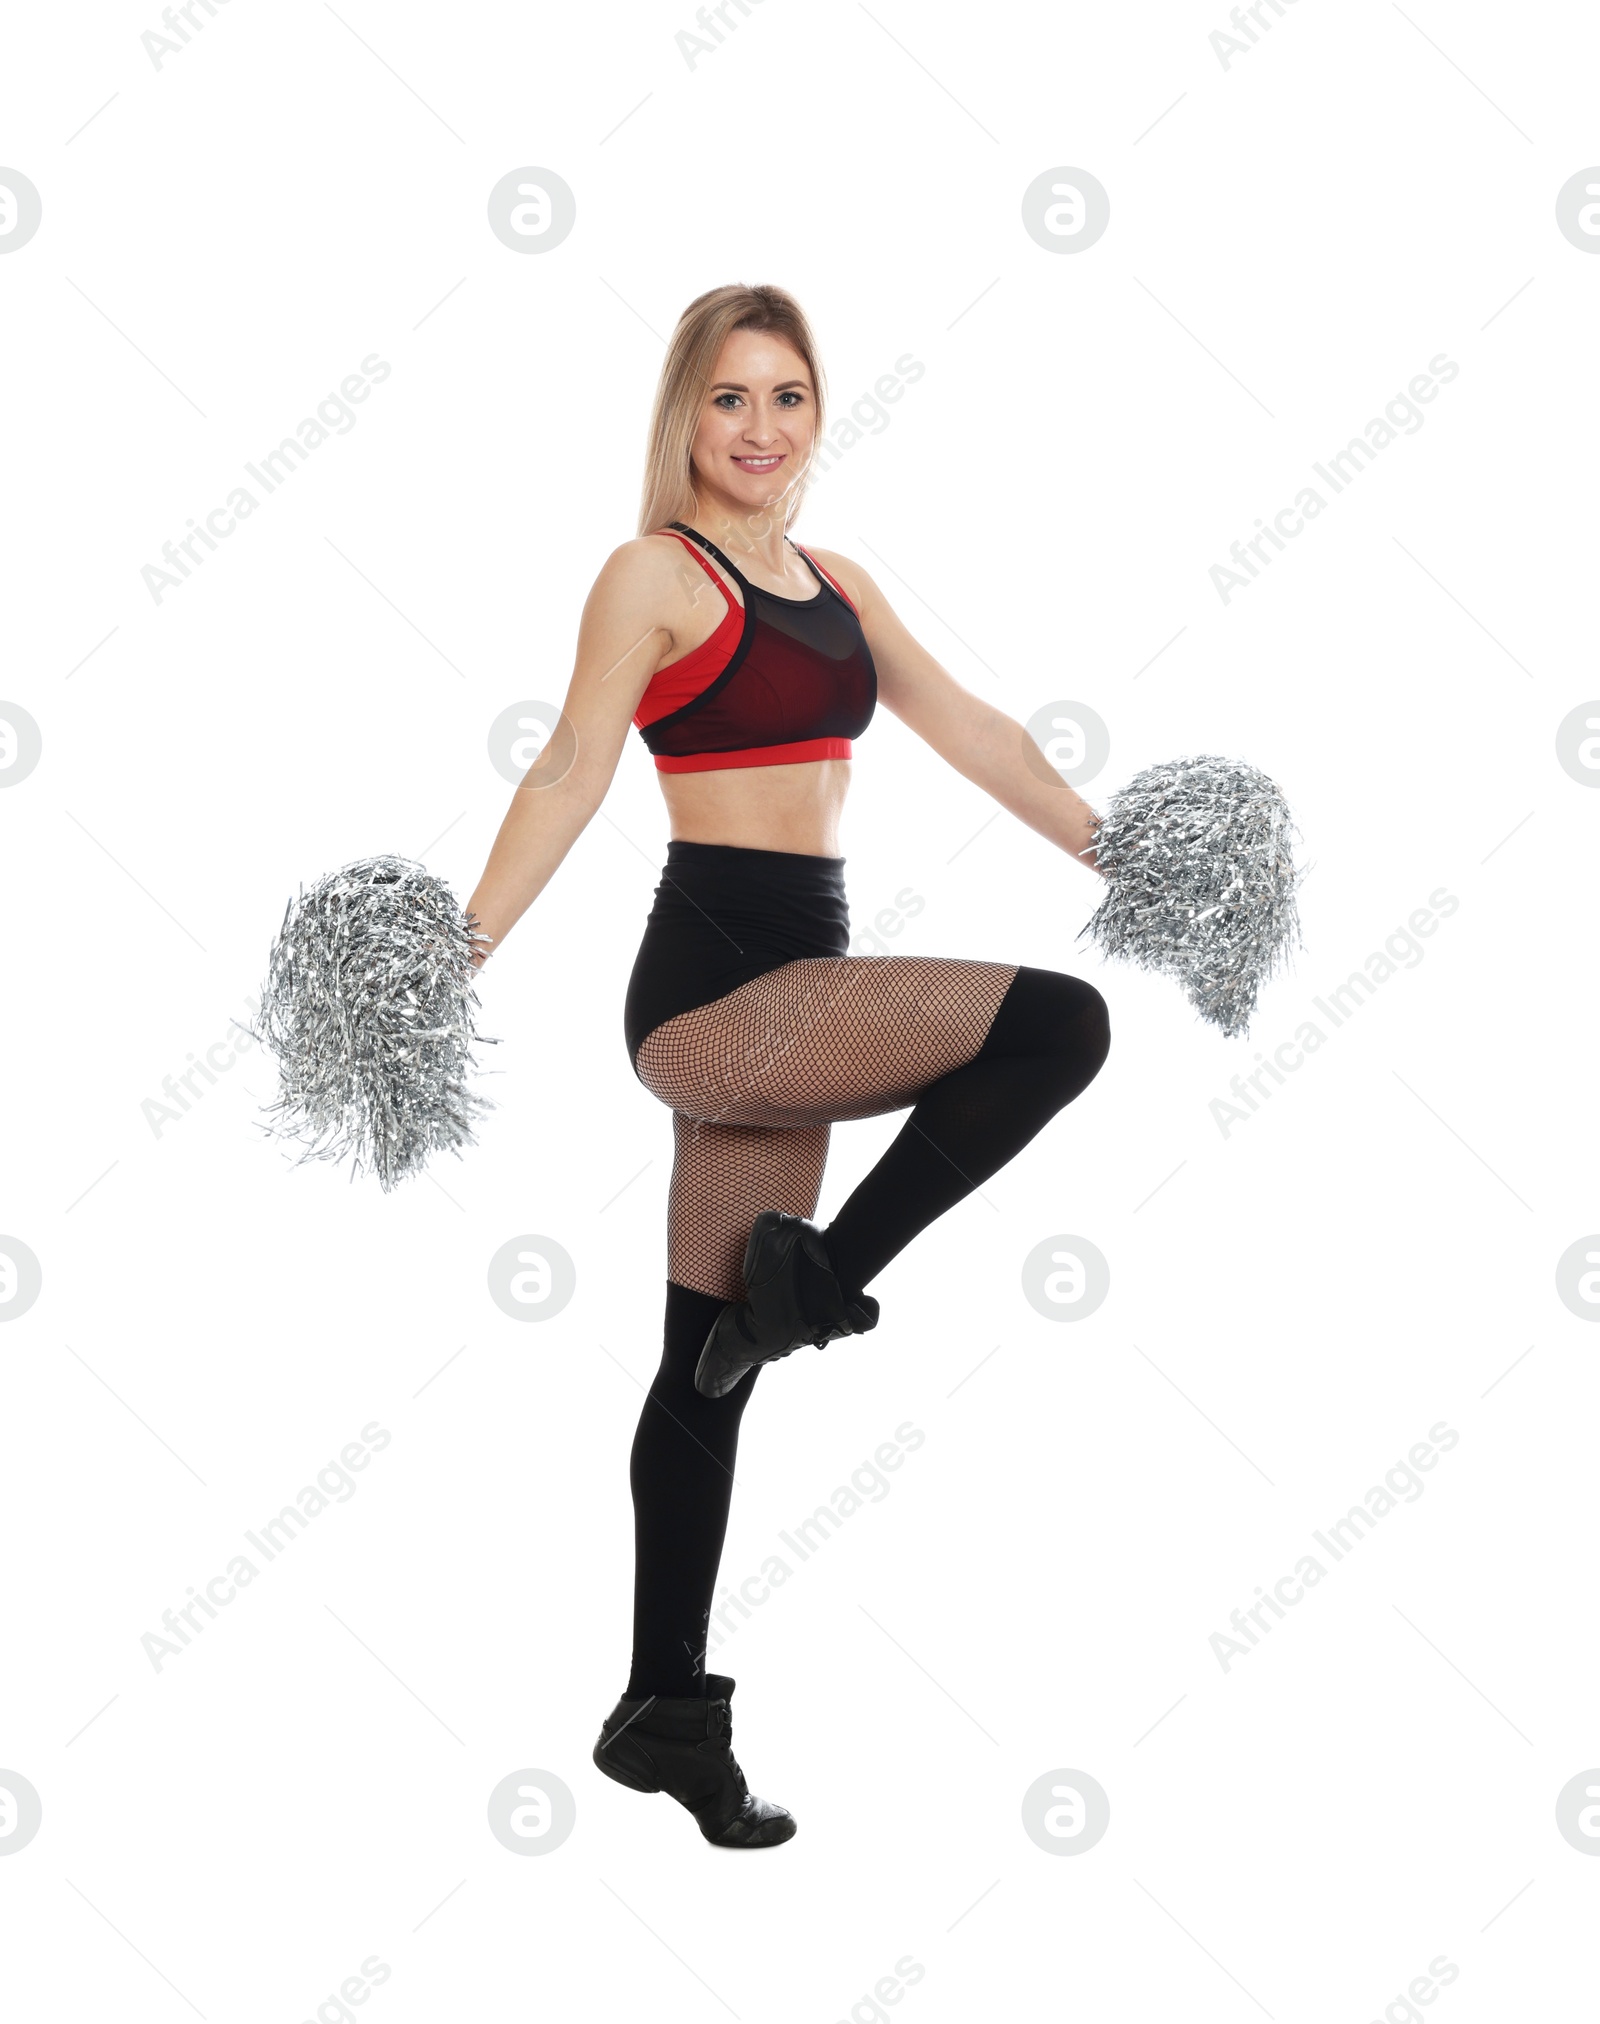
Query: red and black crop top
[[781, 680]]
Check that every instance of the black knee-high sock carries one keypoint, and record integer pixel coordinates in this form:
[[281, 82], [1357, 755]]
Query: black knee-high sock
[[681, 1474], [1045, 1046]]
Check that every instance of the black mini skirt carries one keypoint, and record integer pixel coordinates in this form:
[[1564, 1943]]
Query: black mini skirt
[[724, 914]]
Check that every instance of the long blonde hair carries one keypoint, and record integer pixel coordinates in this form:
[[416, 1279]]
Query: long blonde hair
[[668, 491]]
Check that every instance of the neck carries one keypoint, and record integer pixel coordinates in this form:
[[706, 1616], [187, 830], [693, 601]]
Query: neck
[[745, 532]]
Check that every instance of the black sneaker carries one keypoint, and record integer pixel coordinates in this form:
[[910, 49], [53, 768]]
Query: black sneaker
[[685, 1747], [794, 1297]]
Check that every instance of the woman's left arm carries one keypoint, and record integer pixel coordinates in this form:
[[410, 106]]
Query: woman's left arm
[[982, 743]]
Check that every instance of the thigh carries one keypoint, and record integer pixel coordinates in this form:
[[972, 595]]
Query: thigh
[[824, 1038], [722, 1177]]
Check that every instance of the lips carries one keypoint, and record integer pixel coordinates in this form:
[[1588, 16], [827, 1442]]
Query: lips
[[758, 464]]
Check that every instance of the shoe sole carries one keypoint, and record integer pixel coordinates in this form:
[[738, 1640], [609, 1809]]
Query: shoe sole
[[742, 1847], [714, 1368], [634, 1783]]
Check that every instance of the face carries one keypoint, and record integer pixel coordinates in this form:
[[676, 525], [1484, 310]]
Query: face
[[756, 426]]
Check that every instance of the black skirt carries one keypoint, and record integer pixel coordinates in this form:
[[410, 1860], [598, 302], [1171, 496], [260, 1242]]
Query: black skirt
[[724, 914]]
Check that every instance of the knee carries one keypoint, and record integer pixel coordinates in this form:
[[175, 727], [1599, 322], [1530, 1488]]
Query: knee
[[1093, 1020], [1070, 1022]]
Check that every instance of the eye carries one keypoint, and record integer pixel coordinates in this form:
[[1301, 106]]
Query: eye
[[791, 396]]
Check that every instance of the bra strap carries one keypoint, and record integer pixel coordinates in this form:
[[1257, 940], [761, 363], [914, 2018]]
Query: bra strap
[[810, 561], [728, 596], [825, 575], [711, 548]]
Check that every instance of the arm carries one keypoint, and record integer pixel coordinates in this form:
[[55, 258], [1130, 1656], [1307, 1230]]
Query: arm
[[982, 743], [621, 641]]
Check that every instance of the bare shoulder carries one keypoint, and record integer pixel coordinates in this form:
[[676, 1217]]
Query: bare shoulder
[[636, 591], [640, 570]]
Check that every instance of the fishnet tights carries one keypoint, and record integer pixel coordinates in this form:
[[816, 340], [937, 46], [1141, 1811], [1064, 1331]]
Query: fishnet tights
[[756, 1078]]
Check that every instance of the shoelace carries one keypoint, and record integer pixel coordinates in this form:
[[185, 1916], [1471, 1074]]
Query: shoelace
[[721, 1738]]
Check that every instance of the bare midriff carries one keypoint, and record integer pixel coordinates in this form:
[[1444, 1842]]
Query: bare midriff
[[761, 807]]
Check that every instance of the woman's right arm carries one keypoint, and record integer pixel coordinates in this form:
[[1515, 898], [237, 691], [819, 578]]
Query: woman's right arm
[[622, 638]]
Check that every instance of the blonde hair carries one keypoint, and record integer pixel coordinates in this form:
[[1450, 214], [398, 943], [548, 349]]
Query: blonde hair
[[668, 491]]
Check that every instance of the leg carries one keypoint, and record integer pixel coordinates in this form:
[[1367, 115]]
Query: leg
[[722, 1176], [681, 1467], [824, 1038], [986, 1053], [1048, 1041]]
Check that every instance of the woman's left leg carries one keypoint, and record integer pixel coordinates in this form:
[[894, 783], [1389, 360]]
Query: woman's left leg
[[681, 1468], [1045, 1045]]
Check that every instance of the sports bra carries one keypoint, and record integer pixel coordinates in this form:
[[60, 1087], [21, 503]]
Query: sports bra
[[782, 680]]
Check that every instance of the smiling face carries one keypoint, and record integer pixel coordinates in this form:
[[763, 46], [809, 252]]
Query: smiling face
[[757, 423]]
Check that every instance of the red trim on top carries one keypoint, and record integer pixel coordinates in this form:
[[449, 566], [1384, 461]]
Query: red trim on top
[[757, 755], [838, 586], [680, 681]]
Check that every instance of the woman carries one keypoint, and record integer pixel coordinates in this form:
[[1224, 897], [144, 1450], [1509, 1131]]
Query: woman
[[749, 665]]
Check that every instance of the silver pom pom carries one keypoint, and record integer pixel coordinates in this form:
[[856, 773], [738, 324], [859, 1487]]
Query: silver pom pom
[[1201, 881], [368, 1008]]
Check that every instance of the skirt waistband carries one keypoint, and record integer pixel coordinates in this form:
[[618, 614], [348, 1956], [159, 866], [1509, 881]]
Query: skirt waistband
[[724, 913], [802, 865]]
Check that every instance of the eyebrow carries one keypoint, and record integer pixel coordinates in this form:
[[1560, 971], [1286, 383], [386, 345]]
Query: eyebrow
[[733, 386]]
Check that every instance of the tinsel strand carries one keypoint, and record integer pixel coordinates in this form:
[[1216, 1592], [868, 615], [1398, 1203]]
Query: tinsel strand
[[368, 1009], [1201, 882]]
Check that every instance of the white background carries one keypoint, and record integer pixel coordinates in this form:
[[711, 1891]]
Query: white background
[[1293, 236]]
